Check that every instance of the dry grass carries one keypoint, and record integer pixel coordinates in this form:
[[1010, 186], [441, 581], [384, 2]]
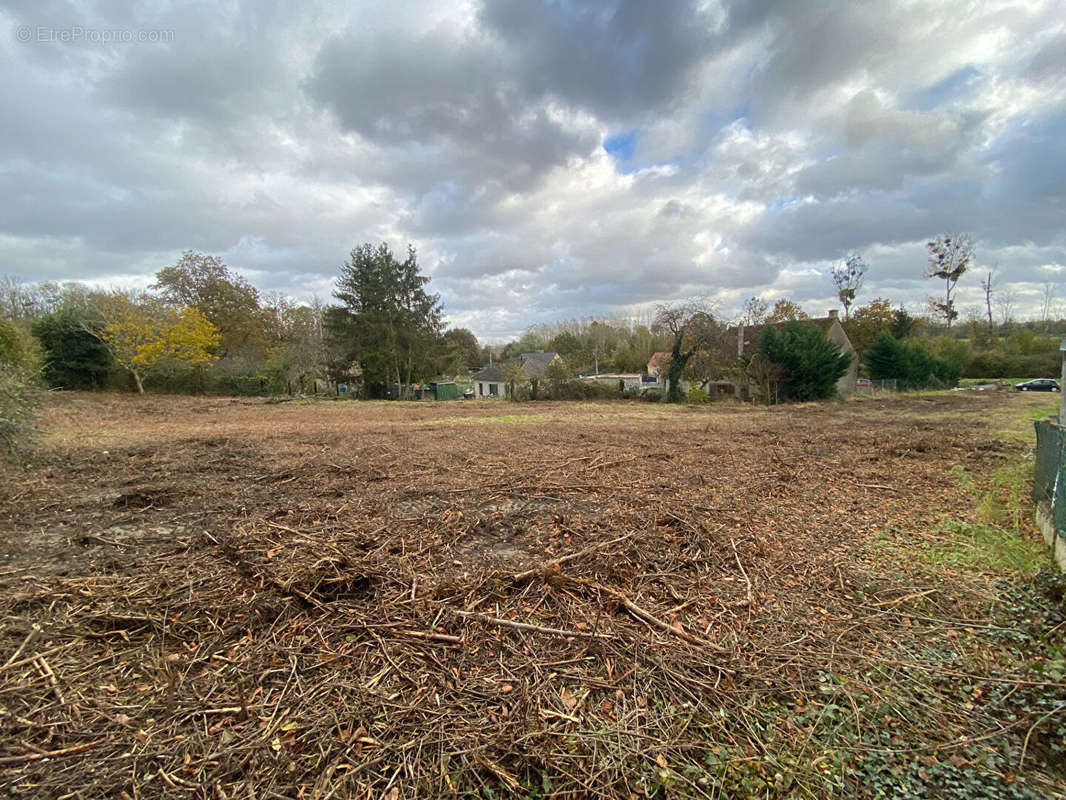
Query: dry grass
[[320, 600]]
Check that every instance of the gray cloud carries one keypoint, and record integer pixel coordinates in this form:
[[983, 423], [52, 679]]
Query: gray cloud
[[752, 144]]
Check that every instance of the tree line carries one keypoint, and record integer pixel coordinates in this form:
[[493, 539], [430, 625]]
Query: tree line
[[201, 327]]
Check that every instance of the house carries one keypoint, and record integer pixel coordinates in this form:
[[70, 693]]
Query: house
[[535, 365], [745, 338], [492, 381], [657, 376], [657, 368], [658, 372]]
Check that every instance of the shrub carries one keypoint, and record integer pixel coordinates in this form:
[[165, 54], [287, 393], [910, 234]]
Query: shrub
[[580, 390], [19, 401], [74, 358], [811, 363], [16, 347], [910, 364], [697, 396]]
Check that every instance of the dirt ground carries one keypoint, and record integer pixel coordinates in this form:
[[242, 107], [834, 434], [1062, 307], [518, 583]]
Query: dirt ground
[[224, 598]]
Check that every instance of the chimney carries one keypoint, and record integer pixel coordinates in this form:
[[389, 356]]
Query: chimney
[[740, 341], [832, 313]]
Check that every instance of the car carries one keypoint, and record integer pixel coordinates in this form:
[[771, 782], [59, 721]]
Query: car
[[1039, 385], [863, 383]]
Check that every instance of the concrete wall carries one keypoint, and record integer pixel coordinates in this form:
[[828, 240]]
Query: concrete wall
[[1045, 522], [631, 381], [482, 389], [1049, 485]]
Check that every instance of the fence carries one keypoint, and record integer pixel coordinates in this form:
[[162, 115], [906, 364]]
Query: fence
[[871, 387], [1049, 485]]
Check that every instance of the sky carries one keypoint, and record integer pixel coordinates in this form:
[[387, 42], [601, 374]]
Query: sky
[[548, 160]]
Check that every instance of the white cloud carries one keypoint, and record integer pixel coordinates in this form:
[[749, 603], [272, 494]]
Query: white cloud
[[766, 140]]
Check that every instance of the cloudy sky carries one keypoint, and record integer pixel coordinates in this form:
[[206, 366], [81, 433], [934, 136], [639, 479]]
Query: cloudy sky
[[548, 160]]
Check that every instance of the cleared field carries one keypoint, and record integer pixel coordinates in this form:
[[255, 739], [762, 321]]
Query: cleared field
[[227, 599]]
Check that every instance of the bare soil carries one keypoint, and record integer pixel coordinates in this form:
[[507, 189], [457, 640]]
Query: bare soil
[[224, 598]]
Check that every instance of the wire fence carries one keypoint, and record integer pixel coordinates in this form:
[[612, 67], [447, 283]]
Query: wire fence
[[872, 387]]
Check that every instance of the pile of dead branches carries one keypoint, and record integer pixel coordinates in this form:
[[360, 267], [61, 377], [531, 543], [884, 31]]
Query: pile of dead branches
[[595, 618]]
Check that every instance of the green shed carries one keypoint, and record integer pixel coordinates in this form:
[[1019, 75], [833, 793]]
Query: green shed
[[446, 390]]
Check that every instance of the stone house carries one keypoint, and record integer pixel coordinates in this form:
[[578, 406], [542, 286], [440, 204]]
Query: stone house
[[745, 339], [492, 381]]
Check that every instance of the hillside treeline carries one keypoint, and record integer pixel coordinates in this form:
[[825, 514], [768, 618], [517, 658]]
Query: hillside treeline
[[201, 327]]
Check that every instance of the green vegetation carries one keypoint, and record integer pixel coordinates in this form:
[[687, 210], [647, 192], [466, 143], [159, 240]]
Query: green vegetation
[[75, 356], [19, 395], [19, 402], [810, 362], [387, 326], [983, 547], [386, 329], [1024, 634], [910, 364]]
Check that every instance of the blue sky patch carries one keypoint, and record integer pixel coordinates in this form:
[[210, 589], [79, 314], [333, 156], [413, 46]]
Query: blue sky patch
[[621, 146], [944, 91]]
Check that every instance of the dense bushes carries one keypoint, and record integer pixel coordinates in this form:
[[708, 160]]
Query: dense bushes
[[19, 395], [16, 347], [697, 396], [811, 364], [910, 364], [74, 357], [19, 401], [1023, 354], [581, 390]]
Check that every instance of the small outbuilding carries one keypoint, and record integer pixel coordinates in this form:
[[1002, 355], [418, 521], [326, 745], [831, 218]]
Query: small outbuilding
[[445, 390], [492, 381]]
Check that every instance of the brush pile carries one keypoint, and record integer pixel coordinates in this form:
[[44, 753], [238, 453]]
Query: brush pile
[[598, 601]]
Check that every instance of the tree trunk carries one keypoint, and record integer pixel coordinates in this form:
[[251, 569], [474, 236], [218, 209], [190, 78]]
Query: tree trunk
[[677, 366], [137, 380], [988, 300]]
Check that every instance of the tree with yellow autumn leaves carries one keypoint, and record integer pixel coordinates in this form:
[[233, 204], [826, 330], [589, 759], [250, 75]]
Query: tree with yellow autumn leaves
[[144, 335]]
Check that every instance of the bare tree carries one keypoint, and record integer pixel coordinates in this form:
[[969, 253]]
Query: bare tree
[[691, 327], [949, 257], [1005, 302], [986, 285], [27, 301], [755, 311], [848, 278], [766, 376], [1047, 295]]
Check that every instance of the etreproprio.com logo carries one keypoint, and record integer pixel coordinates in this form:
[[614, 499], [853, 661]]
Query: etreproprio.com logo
[[76, 34]]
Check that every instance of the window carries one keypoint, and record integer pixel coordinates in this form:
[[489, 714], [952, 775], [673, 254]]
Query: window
[[494, 390]]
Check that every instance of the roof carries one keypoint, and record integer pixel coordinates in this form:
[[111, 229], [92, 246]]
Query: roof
[[540, 356], [495, 373], [751, 332], [658, 360], [535, 365]]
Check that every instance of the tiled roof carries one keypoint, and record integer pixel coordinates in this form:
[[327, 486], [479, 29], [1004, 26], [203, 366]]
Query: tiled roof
[[496, 373], [751, 332], [535, 365], [658, 360]]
